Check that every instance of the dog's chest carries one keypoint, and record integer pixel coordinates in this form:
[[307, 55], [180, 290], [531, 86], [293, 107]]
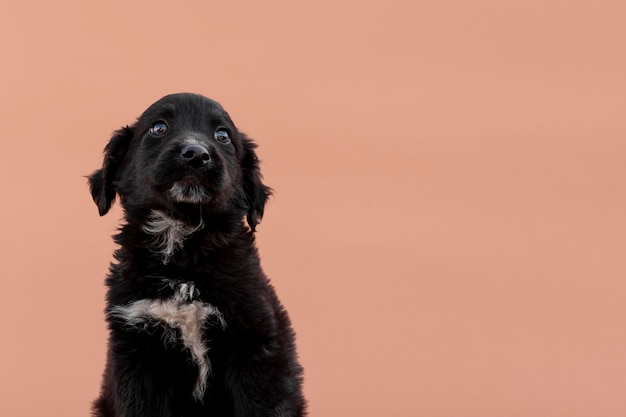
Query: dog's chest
[[183, 317]]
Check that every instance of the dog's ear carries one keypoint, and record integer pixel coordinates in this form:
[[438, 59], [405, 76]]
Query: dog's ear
[[255, 191], [101, 182]]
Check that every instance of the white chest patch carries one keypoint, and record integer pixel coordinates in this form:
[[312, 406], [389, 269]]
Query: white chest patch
[[181, 313], [169, 233]]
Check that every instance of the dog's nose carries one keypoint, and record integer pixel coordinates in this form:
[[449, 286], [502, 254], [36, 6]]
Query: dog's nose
[[196, 155]]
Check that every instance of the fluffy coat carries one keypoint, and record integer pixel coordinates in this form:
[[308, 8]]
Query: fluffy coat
[[195, 327]]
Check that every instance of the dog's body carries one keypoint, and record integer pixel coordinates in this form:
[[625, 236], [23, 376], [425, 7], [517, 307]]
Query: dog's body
[[195, 327]]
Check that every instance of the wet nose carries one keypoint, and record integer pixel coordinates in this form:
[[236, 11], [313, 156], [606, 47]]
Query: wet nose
[[195, 154]]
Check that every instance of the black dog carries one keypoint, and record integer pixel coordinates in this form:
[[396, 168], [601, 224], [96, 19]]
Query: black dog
[[195, 327]]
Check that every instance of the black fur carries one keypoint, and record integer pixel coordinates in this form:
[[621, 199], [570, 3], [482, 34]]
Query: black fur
[[254, 367]]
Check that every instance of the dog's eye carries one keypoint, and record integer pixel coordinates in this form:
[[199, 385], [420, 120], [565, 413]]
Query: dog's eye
[[222, 136], [158, 128]]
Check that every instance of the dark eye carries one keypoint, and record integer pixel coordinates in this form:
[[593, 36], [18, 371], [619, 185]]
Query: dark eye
[[222, 136], [158, 128]]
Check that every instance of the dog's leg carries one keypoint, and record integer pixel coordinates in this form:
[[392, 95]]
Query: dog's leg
[[266, 387], [146, 378], [140, 391]]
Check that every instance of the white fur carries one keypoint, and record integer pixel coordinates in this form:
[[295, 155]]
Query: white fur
[[191, 140], [186, 193], [169, 233], [180, 312]]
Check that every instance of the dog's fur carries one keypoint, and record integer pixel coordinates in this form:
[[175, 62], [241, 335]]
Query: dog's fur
[[195, 328]]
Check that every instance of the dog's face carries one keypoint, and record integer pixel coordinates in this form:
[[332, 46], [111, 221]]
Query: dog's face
[[183, 151]]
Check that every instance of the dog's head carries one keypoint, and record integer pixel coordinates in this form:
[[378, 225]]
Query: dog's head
[[183, 151]]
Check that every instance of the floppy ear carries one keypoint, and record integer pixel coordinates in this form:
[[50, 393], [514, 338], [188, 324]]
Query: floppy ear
[[101, 181], [256, 192]]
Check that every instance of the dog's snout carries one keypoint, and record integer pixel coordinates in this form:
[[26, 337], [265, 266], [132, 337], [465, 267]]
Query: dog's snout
[[195, 154]]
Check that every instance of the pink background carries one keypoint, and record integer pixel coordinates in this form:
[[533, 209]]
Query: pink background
[[448, 231]]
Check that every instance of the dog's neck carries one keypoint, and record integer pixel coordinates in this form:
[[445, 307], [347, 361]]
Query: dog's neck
[[168, 233]]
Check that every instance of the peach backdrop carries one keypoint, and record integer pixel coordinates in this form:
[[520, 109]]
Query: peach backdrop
[[449, 227]]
